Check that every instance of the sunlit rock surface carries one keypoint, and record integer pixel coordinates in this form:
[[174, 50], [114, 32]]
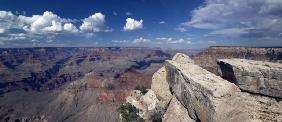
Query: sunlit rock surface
[[253, 76], [208, 97], [176, 112]]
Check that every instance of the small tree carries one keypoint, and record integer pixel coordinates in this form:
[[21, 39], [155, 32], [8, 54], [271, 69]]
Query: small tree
[[129, 113]]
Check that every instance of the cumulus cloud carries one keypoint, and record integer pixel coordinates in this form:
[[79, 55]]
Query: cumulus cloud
[[141, 40], [164, 39], [132, 24], [128, 13], [162, 22], [7, 15], [70, 27], [181, 28], [48, 28], [94, 23], [173, 40], [47, 22], [2, 30], [242, 18]]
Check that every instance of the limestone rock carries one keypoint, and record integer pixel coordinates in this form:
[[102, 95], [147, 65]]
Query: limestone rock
[[182, 58], [176, 112], [160, 86], [147, 104], [150, 100], [253, 76], [210, 98]]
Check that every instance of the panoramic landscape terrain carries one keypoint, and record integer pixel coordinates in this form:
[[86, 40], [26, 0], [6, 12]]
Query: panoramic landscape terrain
[[141, 61], [74, 84]]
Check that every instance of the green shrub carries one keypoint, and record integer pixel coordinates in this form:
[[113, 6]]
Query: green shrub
[[157, 117], [143, 89], [129, 113]]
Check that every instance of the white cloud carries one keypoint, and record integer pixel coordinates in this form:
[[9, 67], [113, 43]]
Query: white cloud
[[12, 37], [212, 42], [231, 32], [176, 41], [70, 27], [132, 24], [181, 29], [115, 13], [94, 23], [48, 28], [128, 13], [120, 41], [6, 15], [162, 22], [164, 39], [2, 30], [47, 22], [56, 26], [141, 40], [173, 40], [238, 18]]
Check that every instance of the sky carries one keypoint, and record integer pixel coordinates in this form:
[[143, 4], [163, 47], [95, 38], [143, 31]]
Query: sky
[[152, 23]]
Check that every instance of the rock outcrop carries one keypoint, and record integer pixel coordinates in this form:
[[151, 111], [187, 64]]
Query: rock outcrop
[[253, 76], [160, 86], [159, 80], [176, 112], [207, 97], [203, 94], [198, 95]]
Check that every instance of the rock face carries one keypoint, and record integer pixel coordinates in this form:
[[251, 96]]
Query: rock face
[[176, 112], [202, 93], [159, 80], [210, 98], [253, 76], [160, 86]]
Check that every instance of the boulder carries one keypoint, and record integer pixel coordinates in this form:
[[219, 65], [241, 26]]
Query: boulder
[[176, 112], [253, 76]]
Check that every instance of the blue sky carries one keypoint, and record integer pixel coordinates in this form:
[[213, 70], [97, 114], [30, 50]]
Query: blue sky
[[155, 23]]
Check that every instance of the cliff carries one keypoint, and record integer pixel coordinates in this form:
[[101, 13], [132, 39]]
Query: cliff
[[195, 94]]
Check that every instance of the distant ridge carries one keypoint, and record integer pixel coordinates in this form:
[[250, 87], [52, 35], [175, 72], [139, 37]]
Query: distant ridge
[[248, 46]]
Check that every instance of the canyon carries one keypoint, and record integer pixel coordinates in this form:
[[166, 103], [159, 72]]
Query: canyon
[[87, 84]]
